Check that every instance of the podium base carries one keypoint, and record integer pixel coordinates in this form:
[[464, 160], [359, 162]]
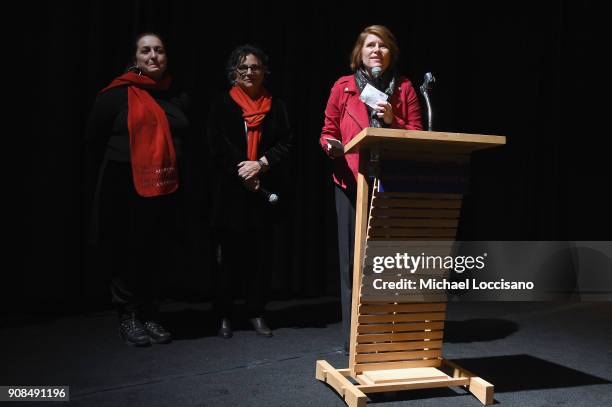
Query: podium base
[[449, 374]]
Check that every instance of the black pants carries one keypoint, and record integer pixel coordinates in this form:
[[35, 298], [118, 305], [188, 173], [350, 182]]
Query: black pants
[[241, 268], [345, 211], [137, 236]]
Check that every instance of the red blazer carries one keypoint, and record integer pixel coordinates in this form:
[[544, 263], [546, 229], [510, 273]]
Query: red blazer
[[346, 115]]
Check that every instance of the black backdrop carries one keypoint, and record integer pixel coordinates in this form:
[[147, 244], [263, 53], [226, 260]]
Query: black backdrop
[[522, 71]]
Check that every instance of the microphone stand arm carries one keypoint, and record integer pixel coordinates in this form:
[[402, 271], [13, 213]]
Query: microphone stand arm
[[425, 88]]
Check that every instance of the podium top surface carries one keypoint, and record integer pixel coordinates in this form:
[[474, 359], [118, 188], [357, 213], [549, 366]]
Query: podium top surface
[[406, 140]]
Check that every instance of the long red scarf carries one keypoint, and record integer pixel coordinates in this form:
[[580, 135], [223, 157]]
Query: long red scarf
[[152, 152], [254, 112]]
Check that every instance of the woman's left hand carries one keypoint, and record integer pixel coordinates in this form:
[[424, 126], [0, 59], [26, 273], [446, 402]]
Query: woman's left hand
[[248, 169], [385, 111]]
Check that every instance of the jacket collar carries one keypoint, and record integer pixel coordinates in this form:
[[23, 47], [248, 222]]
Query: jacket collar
[[354, 106], [350, 84]]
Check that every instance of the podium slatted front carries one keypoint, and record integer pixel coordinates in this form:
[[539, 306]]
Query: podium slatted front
[[396, 340]]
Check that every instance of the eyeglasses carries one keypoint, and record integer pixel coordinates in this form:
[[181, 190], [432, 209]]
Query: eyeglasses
[[243, 69]]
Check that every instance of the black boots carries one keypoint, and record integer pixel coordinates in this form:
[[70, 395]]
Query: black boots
[[225, 331], [260, 326], [133, 332], [157, 333]]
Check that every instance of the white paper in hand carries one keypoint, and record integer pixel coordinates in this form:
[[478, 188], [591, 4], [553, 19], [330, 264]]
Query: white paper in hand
[[371, 95]]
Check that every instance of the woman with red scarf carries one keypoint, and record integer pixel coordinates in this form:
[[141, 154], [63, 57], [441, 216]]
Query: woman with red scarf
[[249, 138], [134, 145]]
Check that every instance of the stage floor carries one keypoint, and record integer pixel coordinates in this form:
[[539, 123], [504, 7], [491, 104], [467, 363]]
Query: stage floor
[[536, 354]]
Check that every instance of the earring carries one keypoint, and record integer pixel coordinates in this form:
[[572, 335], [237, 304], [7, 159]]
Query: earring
[[135, 69]]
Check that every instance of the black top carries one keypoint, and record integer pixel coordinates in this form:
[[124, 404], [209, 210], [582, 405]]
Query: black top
[[235, 207], [107, 135], [107, 127]]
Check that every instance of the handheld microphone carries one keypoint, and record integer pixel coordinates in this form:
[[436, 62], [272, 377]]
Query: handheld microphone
[[376, 73], [269, 196]]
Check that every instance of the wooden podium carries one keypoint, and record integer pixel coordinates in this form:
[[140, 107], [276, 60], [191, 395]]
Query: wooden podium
[[396, 340]]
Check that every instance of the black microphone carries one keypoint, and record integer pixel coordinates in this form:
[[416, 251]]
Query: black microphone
[[427, 85], [428, 82], [376, 72], [269, 196]]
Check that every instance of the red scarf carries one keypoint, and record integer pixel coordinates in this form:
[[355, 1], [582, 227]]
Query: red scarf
[[151, 148], [254, 111]]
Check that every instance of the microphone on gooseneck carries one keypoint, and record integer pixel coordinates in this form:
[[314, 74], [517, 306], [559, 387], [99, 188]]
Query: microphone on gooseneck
[[428, 82], [427, 85], [269, 196]]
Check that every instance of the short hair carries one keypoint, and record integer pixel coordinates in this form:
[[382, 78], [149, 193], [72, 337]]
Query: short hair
[[384, 34], [238, 54]]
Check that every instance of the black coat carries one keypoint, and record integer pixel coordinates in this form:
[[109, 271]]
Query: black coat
[[111, 201], [234, 207]]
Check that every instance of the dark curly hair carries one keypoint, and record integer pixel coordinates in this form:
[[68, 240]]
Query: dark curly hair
[[238, 55]]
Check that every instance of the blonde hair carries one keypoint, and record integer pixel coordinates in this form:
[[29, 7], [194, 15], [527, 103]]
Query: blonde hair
[[384, 34]]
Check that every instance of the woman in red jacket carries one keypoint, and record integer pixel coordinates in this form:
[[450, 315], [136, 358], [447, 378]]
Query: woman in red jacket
[[373, 61]]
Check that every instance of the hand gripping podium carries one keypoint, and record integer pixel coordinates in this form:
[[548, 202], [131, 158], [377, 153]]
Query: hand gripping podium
[[409, 189]]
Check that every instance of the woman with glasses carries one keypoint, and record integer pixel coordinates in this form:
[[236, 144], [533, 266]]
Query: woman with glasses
[[249, 138], [374, 64], [134, 151]]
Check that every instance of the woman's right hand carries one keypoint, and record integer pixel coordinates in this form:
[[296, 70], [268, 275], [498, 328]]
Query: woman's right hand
[[334, 151]]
